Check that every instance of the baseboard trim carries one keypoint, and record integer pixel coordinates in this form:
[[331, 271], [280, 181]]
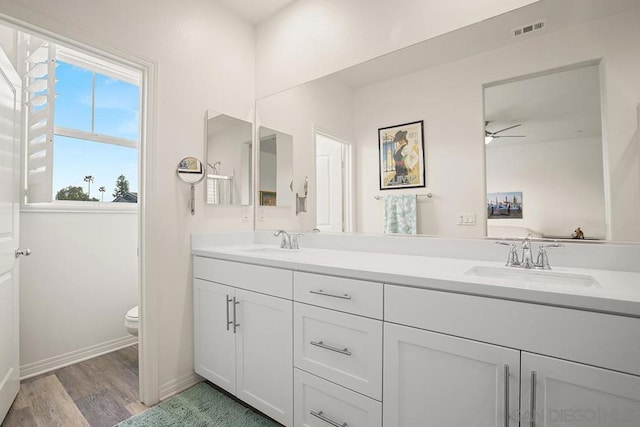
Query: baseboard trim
[[57, 362], [178, 385]]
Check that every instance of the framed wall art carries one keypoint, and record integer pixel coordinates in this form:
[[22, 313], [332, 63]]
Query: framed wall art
[[402, 156]]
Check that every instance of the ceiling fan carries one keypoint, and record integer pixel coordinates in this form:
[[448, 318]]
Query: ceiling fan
[[490, 136]]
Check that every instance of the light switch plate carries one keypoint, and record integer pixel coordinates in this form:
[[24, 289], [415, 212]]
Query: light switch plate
[[466, 219]]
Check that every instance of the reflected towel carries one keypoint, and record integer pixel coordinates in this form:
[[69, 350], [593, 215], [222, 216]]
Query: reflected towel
[[400, 214], [218, 190]]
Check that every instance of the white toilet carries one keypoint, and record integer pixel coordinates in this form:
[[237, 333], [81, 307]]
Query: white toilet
[[131, 321]]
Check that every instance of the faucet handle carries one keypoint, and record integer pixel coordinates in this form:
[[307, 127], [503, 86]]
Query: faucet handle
[[512, 258], [294, 240], [543, 259]]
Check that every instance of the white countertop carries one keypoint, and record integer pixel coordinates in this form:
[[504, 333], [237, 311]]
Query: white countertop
[[618, 292]]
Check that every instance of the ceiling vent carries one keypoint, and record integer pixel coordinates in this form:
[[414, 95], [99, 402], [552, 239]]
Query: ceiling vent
[[529, 28]]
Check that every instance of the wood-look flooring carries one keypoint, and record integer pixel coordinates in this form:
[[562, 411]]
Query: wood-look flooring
[[99, 392]]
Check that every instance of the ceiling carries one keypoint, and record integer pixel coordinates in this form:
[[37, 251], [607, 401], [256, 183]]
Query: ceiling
[[483, 36], [255, 11], [562, 105]]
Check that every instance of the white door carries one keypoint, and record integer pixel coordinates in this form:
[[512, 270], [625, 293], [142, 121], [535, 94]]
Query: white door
[[330, 184], [9, 209], [568, 394], [433, 379], [265, 354], [214, 338]]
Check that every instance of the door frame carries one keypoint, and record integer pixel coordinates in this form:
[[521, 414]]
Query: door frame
[[149, 390], [348, 176]]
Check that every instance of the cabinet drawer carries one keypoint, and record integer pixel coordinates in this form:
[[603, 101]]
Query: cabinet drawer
[[319, 403], [348, 295], [598, 339], [340, 347], [266, 280]]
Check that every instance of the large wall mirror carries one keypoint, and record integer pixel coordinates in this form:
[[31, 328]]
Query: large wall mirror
[[445, 82], [228, 154]]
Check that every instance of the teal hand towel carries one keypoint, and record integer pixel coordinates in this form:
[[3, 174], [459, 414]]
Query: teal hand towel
[[400, 214]]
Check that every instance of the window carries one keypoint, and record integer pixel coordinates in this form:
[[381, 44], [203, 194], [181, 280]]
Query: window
[[82, 136]]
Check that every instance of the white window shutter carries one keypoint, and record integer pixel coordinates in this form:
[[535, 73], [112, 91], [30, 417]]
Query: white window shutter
[[39, 83]]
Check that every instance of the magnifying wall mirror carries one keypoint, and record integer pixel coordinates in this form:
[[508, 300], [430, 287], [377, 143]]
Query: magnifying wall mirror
[[191, 171], [228, 148]]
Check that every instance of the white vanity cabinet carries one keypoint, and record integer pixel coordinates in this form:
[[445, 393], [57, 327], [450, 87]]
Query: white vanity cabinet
[[243, 338], [337, 351], [435, 378]]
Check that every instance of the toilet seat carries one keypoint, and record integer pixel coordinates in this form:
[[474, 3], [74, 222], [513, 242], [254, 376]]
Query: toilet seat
[[131, 321], [133, 314]]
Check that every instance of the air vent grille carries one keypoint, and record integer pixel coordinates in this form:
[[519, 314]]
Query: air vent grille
[[529, 28]]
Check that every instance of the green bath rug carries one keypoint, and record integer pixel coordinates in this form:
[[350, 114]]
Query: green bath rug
[[199, 406]]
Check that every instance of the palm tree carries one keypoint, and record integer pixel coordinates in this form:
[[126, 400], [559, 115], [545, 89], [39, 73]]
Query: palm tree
[[102, 190], [89, 179]]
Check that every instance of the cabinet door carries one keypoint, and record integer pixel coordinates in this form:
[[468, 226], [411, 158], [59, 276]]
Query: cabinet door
[[576, 395], [215, 354], [265, 354], [432, 379]]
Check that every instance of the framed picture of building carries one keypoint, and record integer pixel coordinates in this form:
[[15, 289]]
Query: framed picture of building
[[504, 205], [401, 160]]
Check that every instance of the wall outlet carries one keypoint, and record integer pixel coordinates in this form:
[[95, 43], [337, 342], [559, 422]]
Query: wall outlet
[[466, 219]]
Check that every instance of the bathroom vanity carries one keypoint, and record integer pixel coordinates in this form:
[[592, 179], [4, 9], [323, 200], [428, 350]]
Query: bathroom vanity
[[321, 337]]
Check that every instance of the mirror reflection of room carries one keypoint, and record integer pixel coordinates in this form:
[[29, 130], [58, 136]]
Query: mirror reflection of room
[[544, 156], [229, 142], [276, 168]]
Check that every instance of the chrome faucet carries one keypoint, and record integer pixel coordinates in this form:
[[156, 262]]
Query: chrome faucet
[[542, 260], [288, 241], [285, 243]]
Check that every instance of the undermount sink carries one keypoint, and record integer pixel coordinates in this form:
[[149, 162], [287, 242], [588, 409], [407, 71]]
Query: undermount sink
[[535, 277], [272, 250]]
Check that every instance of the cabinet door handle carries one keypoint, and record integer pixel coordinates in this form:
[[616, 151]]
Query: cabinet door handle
[[235, 316], [329, 294], [532, 404], [506, 395], [327, 420], [229, 322], [321, 344]]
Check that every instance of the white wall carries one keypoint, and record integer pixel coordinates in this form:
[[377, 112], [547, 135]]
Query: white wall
[[325, 105], [559, 180], [76, 286], [314, 38], [205, 60], [449, 98]]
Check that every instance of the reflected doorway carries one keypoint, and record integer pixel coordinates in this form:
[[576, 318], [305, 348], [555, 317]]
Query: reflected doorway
[[332, 184]]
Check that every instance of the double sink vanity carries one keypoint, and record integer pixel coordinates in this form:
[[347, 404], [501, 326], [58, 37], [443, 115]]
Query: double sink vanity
[[345, 333]]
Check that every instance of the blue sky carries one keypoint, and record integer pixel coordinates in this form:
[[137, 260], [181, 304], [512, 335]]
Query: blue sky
[[116, 114]]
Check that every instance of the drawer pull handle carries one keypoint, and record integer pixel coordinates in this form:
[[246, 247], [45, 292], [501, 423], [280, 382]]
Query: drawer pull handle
[[329, 294], [327, 420], [532, 403], [235, 316], [506, 395], [229, 322], [321, 344]]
